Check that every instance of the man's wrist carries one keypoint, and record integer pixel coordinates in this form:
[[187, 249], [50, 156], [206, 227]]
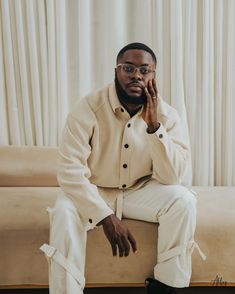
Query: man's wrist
[[152, 128], [105, 220]]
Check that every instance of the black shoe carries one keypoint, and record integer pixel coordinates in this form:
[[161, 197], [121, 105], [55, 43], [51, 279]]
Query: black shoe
[[156, 287]]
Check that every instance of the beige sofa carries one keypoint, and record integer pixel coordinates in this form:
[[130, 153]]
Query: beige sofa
[[28, 186]]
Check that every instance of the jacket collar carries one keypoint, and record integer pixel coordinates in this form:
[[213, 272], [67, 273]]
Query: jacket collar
[[113, 98]]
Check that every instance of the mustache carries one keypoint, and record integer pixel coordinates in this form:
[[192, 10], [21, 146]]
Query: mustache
[[135, 83], [124, 97]]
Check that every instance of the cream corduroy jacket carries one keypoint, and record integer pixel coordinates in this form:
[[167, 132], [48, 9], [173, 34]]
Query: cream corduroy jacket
[[102, 146]]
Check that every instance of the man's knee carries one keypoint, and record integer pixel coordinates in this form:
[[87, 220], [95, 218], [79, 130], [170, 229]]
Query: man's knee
[[184, 196], [186, 202], [183, 202]]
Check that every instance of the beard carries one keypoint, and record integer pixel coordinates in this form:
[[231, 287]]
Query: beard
[[125, 98]]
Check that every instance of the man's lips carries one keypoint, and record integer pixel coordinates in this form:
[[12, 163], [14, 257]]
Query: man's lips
[[134, 85]]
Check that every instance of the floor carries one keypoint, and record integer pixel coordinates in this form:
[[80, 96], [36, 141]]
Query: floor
[[192, 290]]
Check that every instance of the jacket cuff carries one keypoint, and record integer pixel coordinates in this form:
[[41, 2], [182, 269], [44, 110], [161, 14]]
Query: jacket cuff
[[160, 133], [99, 215]]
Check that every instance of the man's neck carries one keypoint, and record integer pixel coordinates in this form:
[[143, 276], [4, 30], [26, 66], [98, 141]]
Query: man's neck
[[132, 109]]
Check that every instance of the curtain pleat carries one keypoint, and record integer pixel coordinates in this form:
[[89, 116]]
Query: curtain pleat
[[56, 51], [25, 95], [177, 83], [229, 93], [190, 67], [34, 72], [52, 55], [85, 66], [157, 29], [218, 90], [205, 98], [13, 117], [61, 61], [43, 57], [4, 134]]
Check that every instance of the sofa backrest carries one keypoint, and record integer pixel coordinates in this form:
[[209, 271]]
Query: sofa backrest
[[24, 166]]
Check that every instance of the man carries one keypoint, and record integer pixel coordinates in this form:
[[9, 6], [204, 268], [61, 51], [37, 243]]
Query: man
[[123, 153]]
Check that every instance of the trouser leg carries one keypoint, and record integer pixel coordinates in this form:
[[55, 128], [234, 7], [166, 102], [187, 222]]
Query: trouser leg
[[174, 248], [68, 236], [174, 208]]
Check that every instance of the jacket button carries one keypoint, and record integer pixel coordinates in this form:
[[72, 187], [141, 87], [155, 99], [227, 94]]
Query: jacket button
[[125, 165], [160, 136], [124, 186], [126, 145], [90, 220], [122, 110], [129, 125]]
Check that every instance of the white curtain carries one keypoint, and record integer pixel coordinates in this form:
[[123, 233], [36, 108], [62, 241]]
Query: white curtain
[[53, 52], [33, 69]]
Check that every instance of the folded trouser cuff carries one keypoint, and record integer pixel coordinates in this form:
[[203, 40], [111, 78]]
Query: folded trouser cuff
[[182, 249], [52, 253]]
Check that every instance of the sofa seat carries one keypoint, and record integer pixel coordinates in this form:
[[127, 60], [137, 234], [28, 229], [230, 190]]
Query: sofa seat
[[24, 227]]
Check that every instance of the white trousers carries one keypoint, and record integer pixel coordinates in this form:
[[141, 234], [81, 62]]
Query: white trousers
[[172, 207]]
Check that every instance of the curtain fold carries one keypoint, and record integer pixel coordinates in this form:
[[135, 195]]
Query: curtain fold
[[34, 71], [54, 52], [9, 72], [25, 96], [4, 133], [229, 94], [34, 74], [43, 57]]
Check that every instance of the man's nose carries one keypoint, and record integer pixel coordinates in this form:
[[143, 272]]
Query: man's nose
[[136, 74]]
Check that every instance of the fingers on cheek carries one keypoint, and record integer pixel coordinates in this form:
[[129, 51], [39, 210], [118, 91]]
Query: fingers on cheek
[[155, 85], [148, 97], [146, 92], [151, 89]]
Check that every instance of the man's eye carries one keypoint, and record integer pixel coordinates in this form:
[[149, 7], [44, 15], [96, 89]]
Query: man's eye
[[128, 68], [144, 70]]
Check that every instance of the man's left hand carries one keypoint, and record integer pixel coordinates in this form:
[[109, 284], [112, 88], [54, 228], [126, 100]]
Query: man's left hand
[[149, 114]]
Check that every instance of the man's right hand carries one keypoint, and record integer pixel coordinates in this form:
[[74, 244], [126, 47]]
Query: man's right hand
[[118, 235]]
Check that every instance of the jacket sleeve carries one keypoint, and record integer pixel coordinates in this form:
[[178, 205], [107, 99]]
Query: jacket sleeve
[[170, 151], [73, 171]]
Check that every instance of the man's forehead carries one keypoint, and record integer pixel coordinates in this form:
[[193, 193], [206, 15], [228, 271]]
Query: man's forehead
[[137, 55]]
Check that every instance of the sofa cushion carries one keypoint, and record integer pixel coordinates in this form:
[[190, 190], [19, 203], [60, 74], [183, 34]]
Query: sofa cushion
[[28, 166], [215, 234], [24, 208], [24, 226]]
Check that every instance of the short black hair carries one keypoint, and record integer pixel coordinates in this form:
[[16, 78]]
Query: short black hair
[[138, 46]]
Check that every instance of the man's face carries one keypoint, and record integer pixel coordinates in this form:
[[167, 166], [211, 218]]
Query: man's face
[[133, 83]]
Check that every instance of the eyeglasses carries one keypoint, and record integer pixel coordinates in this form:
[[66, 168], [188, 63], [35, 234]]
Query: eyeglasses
[[131, 69]]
